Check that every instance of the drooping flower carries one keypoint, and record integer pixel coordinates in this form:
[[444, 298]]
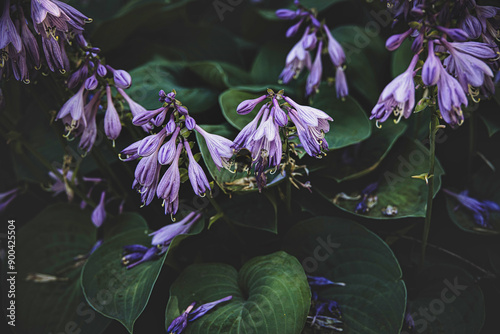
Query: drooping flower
[[9, 34], [321, 281], [297, 59], [314, 78], [99, 213], [134, 255], [431, 69], [480, 209], [197, 176], [112, 124], [164, 236], [74, 107], [168, 187], [451, 97], [341, 83], [135, 108], [398, 96], [218, 146]]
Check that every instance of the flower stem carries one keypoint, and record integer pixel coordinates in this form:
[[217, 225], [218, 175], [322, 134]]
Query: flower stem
[[430, 186]]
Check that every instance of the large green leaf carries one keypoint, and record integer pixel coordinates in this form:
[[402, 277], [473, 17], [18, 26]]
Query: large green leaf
[[158, 74], [401, 58], [360, 159], [220, 74], [374, 296], [350, 123], [268, 64], [448, 301], [270, 295], [117, 292], [48, 245], [485, 185], [396, 185]]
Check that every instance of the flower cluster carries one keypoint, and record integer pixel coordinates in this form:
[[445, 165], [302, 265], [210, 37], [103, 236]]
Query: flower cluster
[[57, 24], [180, 323], [262, 135], [324, 313], [460, 38], [317, 36], [166, 147]]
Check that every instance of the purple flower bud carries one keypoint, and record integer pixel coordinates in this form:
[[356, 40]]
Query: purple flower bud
[[314, 77], [91, 82], [182, 110], [335, 50], [455, 34], [248, 105], [279, 115], [166, 154], [190, 123], [293, 29], [171, 124], [134, 249], [165, 235], [309, 41], [9, 33], [430, 71], [287, 14], [395, 41], [180, 323], [418, 43], [99, 213], [203, 309], [112, 124], [101, 70], [122, 79], [197, 176], [151, 143], [341, 83]]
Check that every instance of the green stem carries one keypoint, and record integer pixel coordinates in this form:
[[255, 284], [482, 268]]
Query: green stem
[[430, 187]]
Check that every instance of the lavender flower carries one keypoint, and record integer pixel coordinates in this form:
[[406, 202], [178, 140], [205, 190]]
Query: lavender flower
[[135, 108], [112, 124], [431, 69], [164, 236], [74, 108], [219, 147], [134, 255], [296, 60], [197, 176], [247, 106], [99, 213], [169, 185], [180, 323], [122, 78], [314, 78], [89, 133], [480, 209], [9, 34], [451, 96], [341, 83], [398, 96], [321, 281]]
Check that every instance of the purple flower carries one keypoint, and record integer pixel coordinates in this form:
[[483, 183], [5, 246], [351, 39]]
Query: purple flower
[[321, 281], [137, 254], [312, 138], [341, 83], [73, 107], [455, 34], [247, 106], [218, 146], [314, 78], [180, 323], [395, 41], [242, 137], [112, 124], [164, 236], [287, 14], [101, 70], [431, 69], [471, 25], [29, 42], [293, 29], [9, 34], [451, 96], [89, 134], [167, 152], [398, 96], [135, 108], [151, 143], [197, 176], [91, 82], [296, 60], [190, 122], [480, 209], [308, 115], [99, 213], [7, 197], [122, 78], [168, 187], [335, 50]]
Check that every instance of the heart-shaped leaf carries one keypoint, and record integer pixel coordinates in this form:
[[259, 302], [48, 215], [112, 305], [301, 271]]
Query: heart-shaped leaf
[[359, 159], [270, 294], [48, 245], [396, 186], [448, 301], [374, 296], [117, 292]]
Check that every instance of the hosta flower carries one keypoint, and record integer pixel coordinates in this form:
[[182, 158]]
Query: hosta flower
[[335, 50], [180, 323], [164, 236], [341, 83], [112, 123], [296, 60], [134, 255], [398, 96], [432, 66], [197, 176], [9, 34], [135, 108], [314, 78], [480, 209], [169, 185], [451, 97], [99, 214], [89, 133], [218, 146], [74, 108]]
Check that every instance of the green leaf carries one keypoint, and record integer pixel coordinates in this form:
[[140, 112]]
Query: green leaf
[[268, 64], [366, 60], [485, 185], [374, 297], [366, 155], [228, 181], [401, 58], [111, 289], [158, 74], [449, 301], [350, 124], [229, 101], [48, 245], [396, 185], [270, 295], [219, 74]]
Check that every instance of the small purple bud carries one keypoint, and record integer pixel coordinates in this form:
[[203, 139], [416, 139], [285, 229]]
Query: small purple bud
[[101, 70], [182, 110], [248, 105], [171, 124], [112, 124], [287, 14], [418, 43], [431, 68], [166, 154], [190, 123], [91, 83], [309, 41], [293, 29], [279, 115], [455, 34], [122, 78], [341, 83], [395, 41], [99, 214]]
